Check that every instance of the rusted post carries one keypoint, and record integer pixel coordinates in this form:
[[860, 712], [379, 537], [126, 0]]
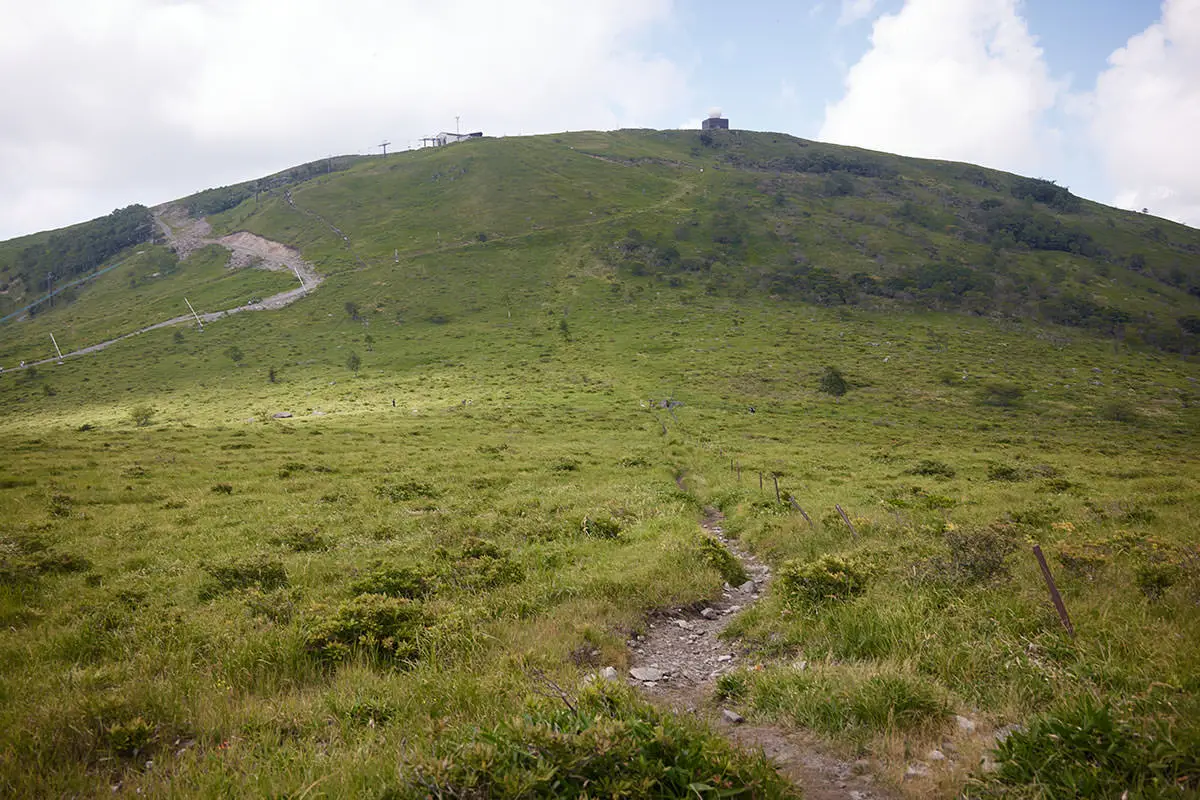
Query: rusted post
[[849, 524], [1055, 597], [775, 478], [760, 488], [739, 468], [796, 506]]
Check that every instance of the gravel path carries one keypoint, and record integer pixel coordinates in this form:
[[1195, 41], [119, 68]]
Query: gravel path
[[681, 656]]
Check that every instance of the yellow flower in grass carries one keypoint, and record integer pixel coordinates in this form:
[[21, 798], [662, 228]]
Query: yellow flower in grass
[[1063, 526]]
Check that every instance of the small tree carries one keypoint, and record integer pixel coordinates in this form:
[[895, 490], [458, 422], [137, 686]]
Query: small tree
[[832, 382], [353, 363], [142, 415]]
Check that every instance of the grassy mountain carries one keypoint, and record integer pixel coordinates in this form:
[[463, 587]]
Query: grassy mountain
[[532, 364]]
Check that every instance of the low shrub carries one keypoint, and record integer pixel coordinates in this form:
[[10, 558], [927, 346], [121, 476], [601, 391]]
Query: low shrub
[[605, 744], [1156, 577], [829, 579], [23, 559], [832, 382], [600, 527], [401, 491], [259, 572], [717, 556], [306, 540], [478, 564], [130, 739], [394, 582], [1088, 750], [222, 488], [1005, 472], [1000, 394], [935, 469], [977, 555], [1085, 560], [383, 627]]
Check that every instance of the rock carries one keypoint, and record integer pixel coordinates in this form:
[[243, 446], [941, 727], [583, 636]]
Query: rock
[[935, 755], [725, 658], [855, 794], [732, 716], [748, 586], [987, 764], [917, 770], [1004, 732], [709, 613], [281, 415], [647, 674], [683, 623], [609, 673], [732, 610], [800, 665], [965, 724]]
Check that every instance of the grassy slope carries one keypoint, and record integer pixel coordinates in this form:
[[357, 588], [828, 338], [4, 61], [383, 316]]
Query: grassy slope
[[523, 427]]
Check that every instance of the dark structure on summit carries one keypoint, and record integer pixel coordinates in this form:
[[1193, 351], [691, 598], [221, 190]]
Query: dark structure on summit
[[715, 122]]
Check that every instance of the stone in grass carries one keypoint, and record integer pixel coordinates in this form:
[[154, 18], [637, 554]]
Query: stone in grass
[[965, 724], [647, 674], [732, 716], [747, 587], [935, 755], [609, 673], [709, 613], [282, 415], [917, 770]]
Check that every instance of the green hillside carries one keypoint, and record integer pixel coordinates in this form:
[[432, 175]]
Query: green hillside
[[534, 365]]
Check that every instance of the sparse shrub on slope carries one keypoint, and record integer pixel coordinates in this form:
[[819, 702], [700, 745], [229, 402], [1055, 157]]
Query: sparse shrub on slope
[[479, 564], [829, 579], [1089, 750], [259, 572], [394, 582], [832, 382], [717, 556], [383, 627], [608, 745]]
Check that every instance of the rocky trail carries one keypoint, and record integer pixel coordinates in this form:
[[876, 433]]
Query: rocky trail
[[679, 659]]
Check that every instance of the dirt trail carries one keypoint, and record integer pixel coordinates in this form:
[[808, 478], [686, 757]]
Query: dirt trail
[[681, 656], [185, 235]]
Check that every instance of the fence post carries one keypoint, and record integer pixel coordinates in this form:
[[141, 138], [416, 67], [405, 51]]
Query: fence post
[[1055, 597], [850, 525], [775, 478], [796, 506]]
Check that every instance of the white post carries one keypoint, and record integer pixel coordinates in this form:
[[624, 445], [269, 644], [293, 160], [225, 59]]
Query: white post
[[299, 278], [194, 314], [56, 348]]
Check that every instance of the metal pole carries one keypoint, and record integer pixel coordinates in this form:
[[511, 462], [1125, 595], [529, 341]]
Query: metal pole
[[194, 314], [56, 348], [1055, 597]]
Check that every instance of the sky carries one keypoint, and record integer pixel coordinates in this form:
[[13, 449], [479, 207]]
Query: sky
[[104, 104]]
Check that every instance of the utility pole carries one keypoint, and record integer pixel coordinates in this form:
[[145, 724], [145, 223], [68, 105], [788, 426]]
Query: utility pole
[[384, 145], [456, 131]]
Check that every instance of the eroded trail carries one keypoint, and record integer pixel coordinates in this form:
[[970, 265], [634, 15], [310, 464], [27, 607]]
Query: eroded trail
[[185, 235], [681, 656]]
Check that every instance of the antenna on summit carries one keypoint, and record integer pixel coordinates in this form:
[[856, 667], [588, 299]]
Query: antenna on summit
[[384, 145]]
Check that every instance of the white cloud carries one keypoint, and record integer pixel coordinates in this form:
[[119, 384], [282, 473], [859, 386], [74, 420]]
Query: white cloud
[[854, 10], [951, 79], [1145, 116], [145, 100]]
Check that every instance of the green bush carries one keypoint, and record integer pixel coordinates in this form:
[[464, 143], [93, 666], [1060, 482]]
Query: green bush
[[1000, 394], [608, 744], [829, 579], [384, 627], [306, 540], [1087, 750], [717, 556], [1005, 472], [479, 564], [142, 415], [261, 572], [401, 491], [394, 582], [936, 469], [131, 738], [977, 555], [1156, 577], [600, 527], [832, 382]]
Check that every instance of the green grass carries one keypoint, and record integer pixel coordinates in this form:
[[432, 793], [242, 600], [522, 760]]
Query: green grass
[[371, 588]]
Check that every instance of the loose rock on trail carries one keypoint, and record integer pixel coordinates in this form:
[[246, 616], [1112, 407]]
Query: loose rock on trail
[[679, 659]]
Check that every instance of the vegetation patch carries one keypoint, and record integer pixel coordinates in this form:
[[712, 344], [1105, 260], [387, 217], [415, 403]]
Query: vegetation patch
[[604, 744], [478, 564], [828, 579], [395, 581], [403, 491], [260, 572], [381, 627], [1088, 749], [717, 556]]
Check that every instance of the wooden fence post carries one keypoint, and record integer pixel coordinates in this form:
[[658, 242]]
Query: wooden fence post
[[850, 525], [775, 478], [760, 488], [796, 506], [1055, 597]]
